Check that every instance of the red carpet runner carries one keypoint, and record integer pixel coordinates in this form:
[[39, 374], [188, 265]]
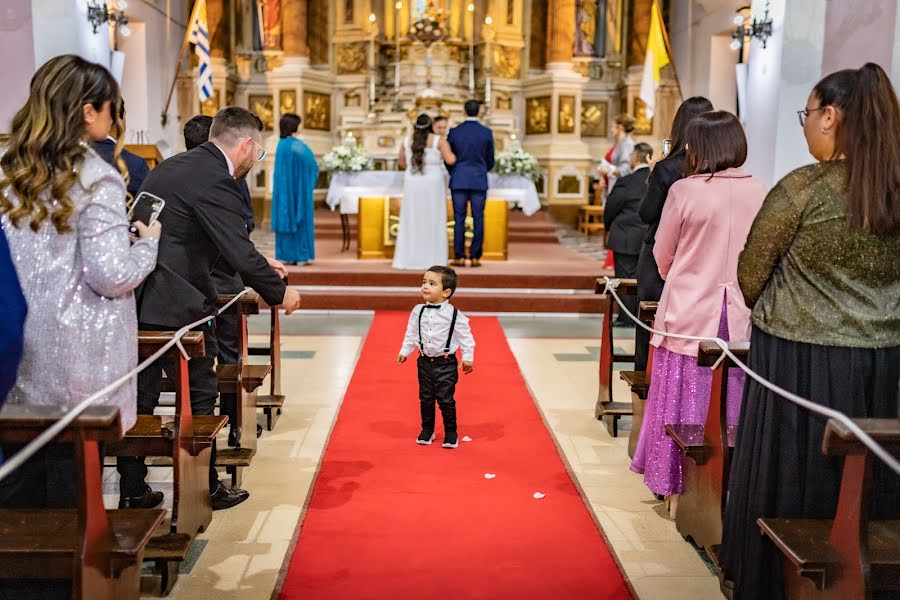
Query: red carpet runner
[[390, 519]]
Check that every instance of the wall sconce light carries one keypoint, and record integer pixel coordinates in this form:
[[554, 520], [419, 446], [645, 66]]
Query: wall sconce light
[[97, 14], [746, 29]]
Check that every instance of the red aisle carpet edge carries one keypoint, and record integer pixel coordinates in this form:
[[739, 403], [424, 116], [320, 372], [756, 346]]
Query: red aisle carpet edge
[[391, 519]]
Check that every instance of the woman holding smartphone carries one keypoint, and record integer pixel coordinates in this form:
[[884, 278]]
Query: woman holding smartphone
[[63, 213]]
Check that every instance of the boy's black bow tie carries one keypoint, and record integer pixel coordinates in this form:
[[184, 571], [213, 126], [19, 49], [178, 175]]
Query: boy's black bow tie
[[433, 305]]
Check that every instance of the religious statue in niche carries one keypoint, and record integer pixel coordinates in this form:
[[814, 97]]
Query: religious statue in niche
[[263, 106], [537, 117], [288, 101], [317, 111], [351, 58], [271, 20], [566, 119], [586, 28]]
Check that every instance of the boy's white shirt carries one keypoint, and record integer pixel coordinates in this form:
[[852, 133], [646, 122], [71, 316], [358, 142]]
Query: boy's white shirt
[[435, 329]]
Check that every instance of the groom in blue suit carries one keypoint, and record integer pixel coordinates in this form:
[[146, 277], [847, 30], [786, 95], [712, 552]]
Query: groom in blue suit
[[473, 145]]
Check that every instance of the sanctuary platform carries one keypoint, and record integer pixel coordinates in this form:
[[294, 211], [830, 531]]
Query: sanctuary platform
[[540, 276]]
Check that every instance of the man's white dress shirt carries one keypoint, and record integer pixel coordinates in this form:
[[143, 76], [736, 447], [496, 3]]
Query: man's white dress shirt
[[435, 329]]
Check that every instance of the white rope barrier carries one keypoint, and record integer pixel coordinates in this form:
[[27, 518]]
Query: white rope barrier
[[862, 436], [54, 430]]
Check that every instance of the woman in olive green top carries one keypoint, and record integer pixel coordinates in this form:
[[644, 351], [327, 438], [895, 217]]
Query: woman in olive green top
[[821, 269]]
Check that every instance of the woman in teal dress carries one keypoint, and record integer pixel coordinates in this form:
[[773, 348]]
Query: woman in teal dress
[[296, 172]]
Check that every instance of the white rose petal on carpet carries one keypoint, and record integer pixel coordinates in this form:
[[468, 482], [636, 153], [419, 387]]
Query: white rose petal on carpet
[[538, 495], [466, 438], [489, 475]]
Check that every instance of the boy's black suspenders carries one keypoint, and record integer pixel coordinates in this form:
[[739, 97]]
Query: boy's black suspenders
[[449, 337]]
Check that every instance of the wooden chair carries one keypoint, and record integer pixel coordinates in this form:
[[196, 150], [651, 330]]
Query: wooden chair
[[849, 556], [606, 409], [273, 402], [99, 550], [706, 456], [188, 442]]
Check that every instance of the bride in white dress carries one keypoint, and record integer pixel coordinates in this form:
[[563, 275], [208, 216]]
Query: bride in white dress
[[422, 238]]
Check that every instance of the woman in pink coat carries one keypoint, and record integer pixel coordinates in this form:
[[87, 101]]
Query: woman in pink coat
[[703, 228]]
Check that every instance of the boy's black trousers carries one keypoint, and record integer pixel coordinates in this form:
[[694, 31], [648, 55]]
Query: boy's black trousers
[[437, 382]]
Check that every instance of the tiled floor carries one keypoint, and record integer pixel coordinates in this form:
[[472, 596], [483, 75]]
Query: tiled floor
[[243, 550]]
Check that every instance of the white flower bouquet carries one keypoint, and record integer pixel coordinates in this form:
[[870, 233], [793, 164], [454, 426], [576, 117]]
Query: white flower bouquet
[[347, 158], [518, 162]]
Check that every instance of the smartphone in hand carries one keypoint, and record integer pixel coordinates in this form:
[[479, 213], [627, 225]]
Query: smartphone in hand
[[146, 209]]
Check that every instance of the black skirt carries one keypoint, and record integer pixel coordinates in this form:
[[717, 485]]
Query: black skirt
[[778, 468]]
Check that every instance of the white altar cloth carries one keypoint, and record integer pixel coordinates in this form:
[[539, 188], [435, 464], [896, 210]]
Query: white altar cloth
[[346, 189]]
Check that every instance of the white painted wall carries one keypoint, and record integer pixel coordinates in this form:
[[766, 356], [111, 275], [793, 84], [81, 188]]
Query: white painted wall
[[16, 44], [61, 27]]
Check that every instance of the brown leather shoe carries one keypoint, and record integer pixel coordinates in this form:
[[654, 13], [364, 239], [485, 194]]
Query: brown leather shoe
[[476, 262], [458, 262]]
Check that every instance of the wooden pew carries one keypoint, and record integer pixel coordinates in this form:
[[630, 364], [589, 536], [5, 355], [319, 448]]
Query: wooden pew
[[272, 402], [706, 455], [99, 550], [606, 408], [848, 556], [639, 381], [244, 380], [187, 440]]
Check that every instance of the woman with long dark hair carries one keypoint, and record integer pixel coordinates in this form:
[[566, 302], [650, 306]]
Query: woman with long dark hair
[[821, 270], [666, 172], [702, 230], [63, 214], [422, 239]]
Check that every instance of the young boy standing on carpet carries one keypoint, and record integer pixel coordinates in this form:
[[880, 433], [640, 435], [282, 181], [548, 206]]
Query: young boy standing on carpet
[[438, 329]]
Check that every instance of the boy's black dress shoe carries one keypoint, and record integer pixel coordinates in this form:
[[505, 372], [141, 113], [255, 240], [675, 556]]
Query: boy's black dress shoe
[[149, 499], [224, 498], [425, 438], [451, 440]]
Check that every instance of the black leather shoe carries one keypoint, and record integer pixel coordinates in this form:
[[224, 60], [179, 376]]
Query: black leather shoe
[[149, 499], [232, 438], [225, 498]]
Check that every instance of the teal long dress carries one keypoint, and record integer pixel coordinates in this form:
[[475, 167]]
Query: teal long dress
[[296, 172]]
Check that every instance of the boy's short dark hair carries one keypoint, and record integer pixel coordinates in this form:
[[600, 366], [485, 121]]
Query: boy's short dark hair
[[644, 152], [438, 119], [196, 131], [471, 107], [448, 277]]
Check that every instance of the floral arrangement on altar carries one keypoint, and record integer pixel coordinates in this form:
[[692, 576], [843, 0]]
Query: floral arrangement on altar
[[518, 162], [347, 157], [430, 26]]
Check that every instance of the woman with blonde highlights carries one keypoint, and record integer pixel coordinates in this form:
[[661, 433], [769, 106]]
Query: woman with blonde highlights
[[63, 214]]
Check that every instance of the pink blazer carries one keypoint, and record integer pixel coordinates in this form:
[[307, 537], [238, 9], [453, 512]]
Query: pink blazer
[[703, 228]]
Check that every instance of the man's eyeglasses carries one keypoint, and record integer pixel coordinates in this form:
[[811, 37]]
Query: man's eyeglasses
[[804, 114], [262, 151]]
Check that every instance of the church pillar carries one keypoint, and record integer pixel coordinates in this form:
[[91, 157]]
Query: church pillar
[[293, 25], [560, 31]]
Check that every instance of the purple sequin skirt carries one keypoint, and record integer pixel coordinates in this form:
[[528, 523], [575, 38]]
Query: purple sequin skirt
[[679, 394]]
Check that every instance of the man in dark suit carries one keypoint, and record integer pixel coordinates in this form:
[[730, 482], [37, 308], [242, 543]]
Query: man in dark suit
[[473, 145], [196, 132], [626, 230], [136, 166], [204, 221]]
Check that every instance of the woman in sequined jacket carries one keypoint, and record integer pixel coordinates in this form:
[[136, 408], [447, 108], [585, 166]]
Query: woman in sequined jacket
[[821, 271], [63, 214]]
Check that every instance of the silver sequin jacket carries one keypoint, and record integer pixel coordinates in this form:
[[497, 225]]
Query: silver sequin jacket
[[81, 331]]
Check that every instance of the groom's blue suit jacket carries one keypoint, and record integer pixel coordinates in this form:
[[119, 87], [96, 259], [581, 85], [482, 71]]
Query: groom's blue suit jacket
[[473, 145]]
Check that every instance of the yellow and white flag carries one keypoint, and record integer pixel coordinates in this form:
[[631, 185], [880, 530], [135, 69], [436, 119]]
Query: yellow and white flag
[[199, 36], [655, 59]]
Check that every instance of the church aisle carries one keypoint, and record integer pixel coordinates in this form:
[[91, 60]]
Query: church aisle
[[390, 519]]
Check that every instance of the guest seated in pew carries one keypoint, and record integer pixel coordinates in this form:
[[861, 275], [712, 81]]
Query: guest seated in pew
[[703, 227], [13, 310], [204, 218], [196, 132], [663, 174], [625, 227], [63, 213], [822, 273]]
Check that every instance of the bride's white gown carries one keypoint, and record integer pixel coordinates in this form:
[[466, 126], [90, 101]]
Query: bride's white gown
[[422, 239]]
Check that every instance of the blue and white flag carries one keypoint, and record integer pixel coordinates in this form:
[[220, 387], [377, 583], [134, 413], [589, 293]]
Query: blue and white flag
[[199, 36]]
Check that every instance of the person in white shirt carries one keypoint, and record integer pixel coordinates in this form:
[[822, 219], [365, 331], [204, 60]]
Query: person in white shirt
[[438, 330]]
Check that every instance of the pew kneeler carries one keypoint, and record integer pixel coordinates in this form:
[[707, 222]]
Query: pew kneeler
[[273, 402], [607, 409]]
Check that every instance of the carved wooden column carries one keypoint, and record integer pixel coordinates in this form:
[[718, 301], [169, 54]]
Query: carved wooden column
[[294, 28], [560, 31], [217, 22]]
